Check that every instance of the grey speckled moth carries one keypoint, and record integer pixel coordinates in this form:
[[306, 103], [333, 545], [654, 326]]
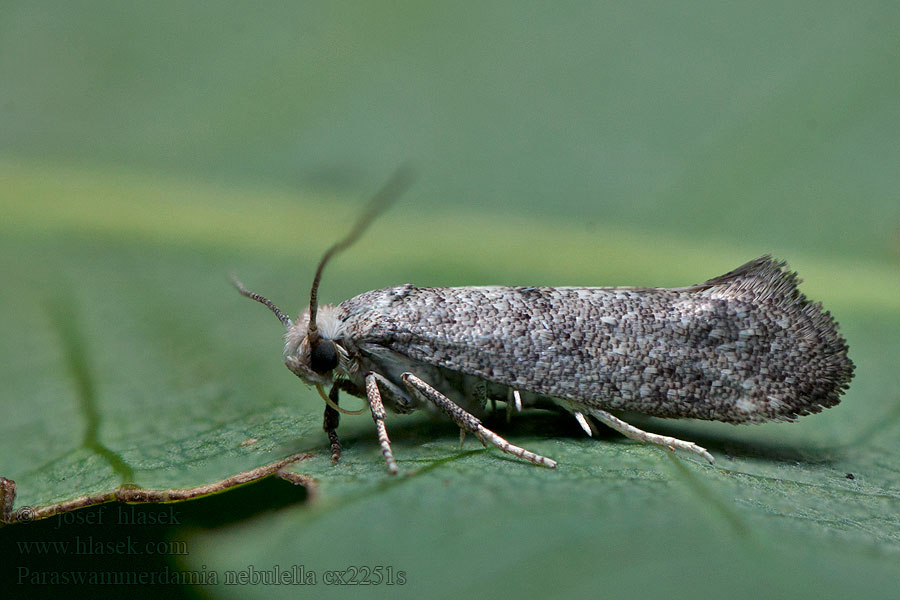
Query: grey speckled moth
[[744, 347]]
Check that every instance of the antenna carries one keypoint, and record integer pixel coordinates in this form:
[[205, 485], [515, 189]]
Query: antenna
[[388, 193], [262, 299]]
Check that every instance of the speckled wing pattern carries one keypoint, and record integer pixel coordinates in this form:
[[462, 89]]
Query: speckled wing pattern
[[743, 347]]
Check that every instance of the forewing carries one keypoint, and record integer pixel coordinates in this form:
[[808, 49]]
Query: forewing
[[746, 346]]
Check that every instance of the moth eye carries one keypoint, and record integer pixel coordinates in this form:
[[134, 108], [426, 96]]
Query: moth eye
[[324, 357]]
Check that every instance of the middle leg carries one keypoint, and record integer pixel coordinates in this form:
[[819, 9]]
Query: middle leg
[[468, 422]]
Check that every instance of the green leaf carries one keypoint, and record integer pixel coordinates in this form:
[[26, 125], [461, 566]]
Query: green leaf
[[136, 363], [148, 151]]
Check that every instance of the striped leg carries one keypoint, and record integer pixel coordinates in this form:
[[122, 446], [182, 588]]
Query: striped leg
[[644, 436], [333, 418], [378, 415], [468, 422], [330, 425]]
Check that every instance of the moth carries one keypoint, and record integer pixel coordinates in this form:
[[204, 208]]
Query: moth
[[744, 347]]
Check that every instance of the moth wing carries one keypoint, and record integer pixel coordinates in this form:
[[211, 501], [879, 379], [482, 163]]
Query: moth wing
[[745, 346]]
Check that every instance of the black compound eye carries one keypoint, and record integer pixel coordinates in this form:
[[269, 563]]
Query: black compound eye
[[324, 357]]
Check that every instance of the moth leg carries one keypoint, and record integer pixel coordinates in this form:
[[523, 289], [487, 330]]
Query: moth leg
[[467, 422], [479, 392], [513, 400], [330, 425], [644, 436], [333, 418], [378, 415], [585, 424]]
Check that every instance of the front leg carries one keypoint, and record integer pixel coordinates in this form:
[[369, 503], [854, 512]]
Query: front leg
[[468, 422], [377, 408], [333, 418], [330, 424]]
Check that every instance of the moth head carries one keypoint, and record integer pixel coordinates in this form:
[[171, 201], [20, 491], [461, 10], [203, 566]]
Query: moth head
[[312, 353], [315, 356], [312, 350]]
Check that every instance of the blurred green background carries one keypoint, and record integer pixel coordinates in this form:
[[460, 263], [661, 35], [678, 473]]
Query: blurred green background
[[146, 149]]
